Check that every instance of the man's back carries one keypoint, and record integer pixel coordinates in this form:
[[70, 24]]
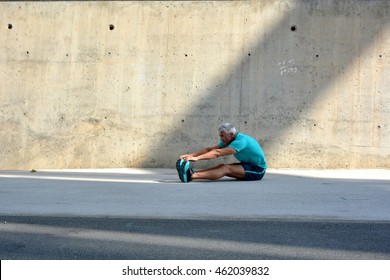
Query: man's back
[[248, 150]]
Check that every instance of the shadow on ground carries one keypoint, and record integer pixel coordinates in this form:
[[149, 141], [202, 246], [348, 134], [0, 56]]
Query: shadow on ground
[[33, 237]]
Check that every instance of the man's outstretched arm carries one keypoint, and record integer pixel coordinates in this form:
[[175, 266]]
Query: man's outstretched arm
[[208, 153], [200, 152]]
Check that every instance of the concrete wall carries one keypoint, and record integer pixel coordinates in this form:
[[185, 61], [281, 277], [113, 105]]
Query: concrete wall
[[135, 84]]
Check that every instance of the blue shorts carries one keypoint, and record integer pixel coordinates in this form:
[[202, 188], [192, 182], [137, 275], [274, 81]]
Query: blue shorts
[[253, 172]]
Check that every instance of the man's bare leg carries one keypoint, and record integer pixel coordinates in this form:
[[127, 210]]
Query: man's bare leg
[[219, 171]]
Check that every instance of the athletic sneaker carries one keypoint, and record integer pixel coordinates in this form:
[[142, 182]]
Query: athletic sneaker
[[184, 170], [178, 168], [190, 171], [178, 163]]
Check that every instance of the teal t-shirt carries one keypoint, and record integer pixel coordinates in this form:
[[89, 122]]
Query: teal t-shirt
[[248, 150]]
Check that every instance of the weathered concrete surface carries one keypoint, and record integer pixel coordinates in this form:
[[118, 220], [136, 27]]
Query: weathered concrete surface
[[130, 84]]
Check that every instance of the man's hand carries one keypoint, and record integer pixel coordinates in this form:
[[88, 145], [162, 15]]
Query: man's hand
[[189, 158], [184, 156]]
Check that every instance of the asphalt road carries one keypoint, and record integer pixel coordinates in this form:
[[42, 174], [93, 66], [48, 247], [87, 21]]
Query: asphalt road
[[148, 214], [88, 238]]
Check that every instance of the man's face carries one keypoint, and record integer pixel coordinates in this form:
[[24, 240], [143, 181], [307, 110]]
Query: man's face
[[226, 138]]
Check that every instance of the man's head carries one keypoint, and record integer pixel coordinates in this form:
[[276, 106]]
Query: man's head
[[227, 133]]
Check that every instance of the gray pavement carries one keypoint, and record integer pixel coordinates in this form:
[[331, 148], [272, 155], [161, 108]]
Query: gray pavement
[[150, 214], [158, 193], [91, 238]]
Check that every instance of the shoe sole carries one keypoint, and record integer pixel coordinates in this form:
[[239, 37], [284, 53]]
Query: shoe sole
[[178, 168], [185, 166]]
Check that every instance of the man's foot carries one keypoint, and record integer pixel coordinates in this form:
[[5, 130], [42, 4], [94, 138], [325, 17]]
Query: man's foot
[[190, 171], [179, 162], [184, 170]]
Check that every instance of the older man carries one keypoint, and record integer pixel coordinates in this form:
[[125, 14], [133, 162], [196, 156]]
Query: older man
[[247, 150]]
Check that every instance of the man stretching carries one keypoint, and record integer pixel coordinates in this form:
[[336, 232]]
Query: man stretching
[[247, 150]]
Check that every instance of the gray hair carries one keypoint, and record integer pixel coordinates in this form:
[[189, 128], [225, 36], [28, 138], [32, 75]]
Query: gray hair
[[227, 128]]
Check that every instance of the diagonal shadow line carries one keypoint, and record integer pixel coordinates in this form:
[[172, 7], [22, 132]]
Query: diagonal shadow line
[[268, 105]]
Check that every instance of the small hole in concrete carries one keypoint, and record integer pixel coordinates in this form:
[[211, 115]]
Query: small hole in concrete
[[380, 55], [27, 52], [379, 126], [293, 28], [317, 55], [9, 26], [249, 54], [111, 27], [182, 120]]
